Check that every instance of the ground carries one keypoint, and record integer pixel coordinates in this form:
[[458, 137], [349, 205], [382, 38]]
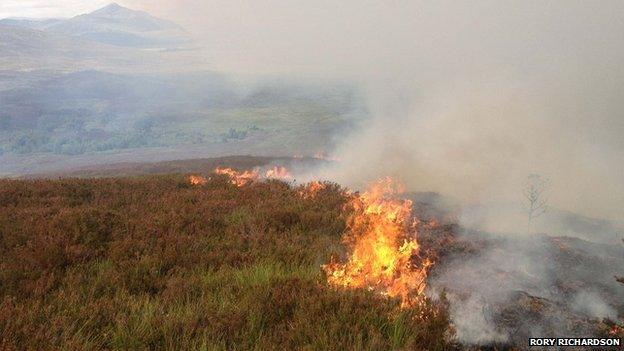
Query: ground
[[153, 262]]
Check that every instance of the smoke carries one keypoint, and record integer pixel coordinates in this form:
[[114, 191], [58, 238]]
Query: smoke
[[471, 325], [474, 286], [464, 99], [591, 304], [512, 288], [479, 140]]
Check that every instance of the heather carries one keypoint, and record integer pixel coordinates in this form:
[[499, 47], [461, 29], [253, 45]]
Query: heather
[[155, 263]]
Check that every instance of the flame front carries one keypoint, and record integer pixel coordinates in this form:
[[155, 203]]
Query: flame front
[[248, 176], [384, 252], [310, 190], [239, 178]]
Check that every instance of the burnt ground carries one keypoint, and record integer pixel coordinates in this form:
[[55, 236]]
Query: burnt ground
[[505, 289]]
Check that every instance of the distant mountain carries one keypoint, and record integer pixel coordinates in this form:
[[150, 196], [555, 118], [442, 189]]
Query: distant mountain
[[26, 49], [39, 24], [114, 25], [23, 48]]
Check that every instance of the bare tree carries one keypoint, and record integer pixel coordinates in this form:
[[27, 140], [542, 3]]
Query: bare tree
[[620, 279], [534, 192]]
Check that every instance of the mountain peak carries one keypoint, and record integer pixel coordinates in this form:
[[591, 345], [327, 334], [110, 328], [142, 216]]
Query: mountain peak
[[110, 9], [113, 5], [115, 25]]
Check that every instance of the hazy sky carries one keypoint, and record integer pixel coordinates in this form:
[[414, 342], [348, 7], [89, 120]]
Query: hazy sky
[[47, 8]]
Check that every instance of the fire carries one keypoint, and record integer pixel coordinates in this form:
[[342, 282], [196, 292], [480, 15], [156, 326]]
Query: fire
[[616, 330], [239, 178], [246, 177], [310, 190], [279, 172], [197, 180], [384, 253]]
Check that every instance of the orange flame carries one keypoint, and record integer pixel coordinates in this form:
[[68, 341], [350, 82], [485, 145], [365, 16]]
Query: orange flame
[[238, 178], [384, 252], [279, 172], [616, 330], [311, 190], [197, 180]]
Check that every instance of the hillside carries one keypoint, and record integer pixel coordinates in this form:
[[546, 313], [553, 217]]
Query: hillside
[[61, 121], [113, 25], [112, 39], [196, 166], [156, 263], [31, 23], [179, 262], [119, 85], [25, 48], [303, 175]]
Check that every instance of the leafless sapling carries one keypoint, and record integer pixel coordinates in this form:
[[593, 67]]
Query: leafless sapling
[[535, 194], [619, 278]]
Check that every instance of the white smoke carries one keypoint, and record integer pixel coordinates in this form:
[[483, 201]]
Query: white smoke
[[471, 325], [591, 304]]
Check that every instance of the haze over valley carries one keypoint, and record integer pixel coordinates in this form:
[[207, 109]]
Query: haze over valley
[[121, 85]]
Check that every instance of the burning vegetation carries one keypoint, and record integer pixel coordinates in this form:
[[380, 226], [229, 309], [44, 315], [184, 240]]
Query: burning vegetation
[[157, 263], [197, 180], [248, 176], [384, 255], [239, 178], [383, 248], [311, 190], [238, 268]]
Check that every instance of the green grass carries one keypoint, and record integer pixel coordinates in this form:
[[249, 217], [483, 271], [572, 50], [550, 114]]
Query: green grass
[[154, 263]]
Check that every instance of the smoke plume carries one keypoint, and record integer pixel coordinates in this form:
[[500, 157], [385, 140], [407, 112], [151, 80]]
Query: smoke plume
[[464, 99]]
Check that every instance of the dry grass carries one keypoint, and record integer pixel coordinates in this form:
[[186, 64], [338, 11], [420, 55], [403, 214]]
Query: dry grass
[[155, 263]]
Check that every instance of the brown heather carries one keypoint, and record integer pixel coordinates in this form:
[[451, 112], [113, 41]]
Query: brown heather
[[155, 263]]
